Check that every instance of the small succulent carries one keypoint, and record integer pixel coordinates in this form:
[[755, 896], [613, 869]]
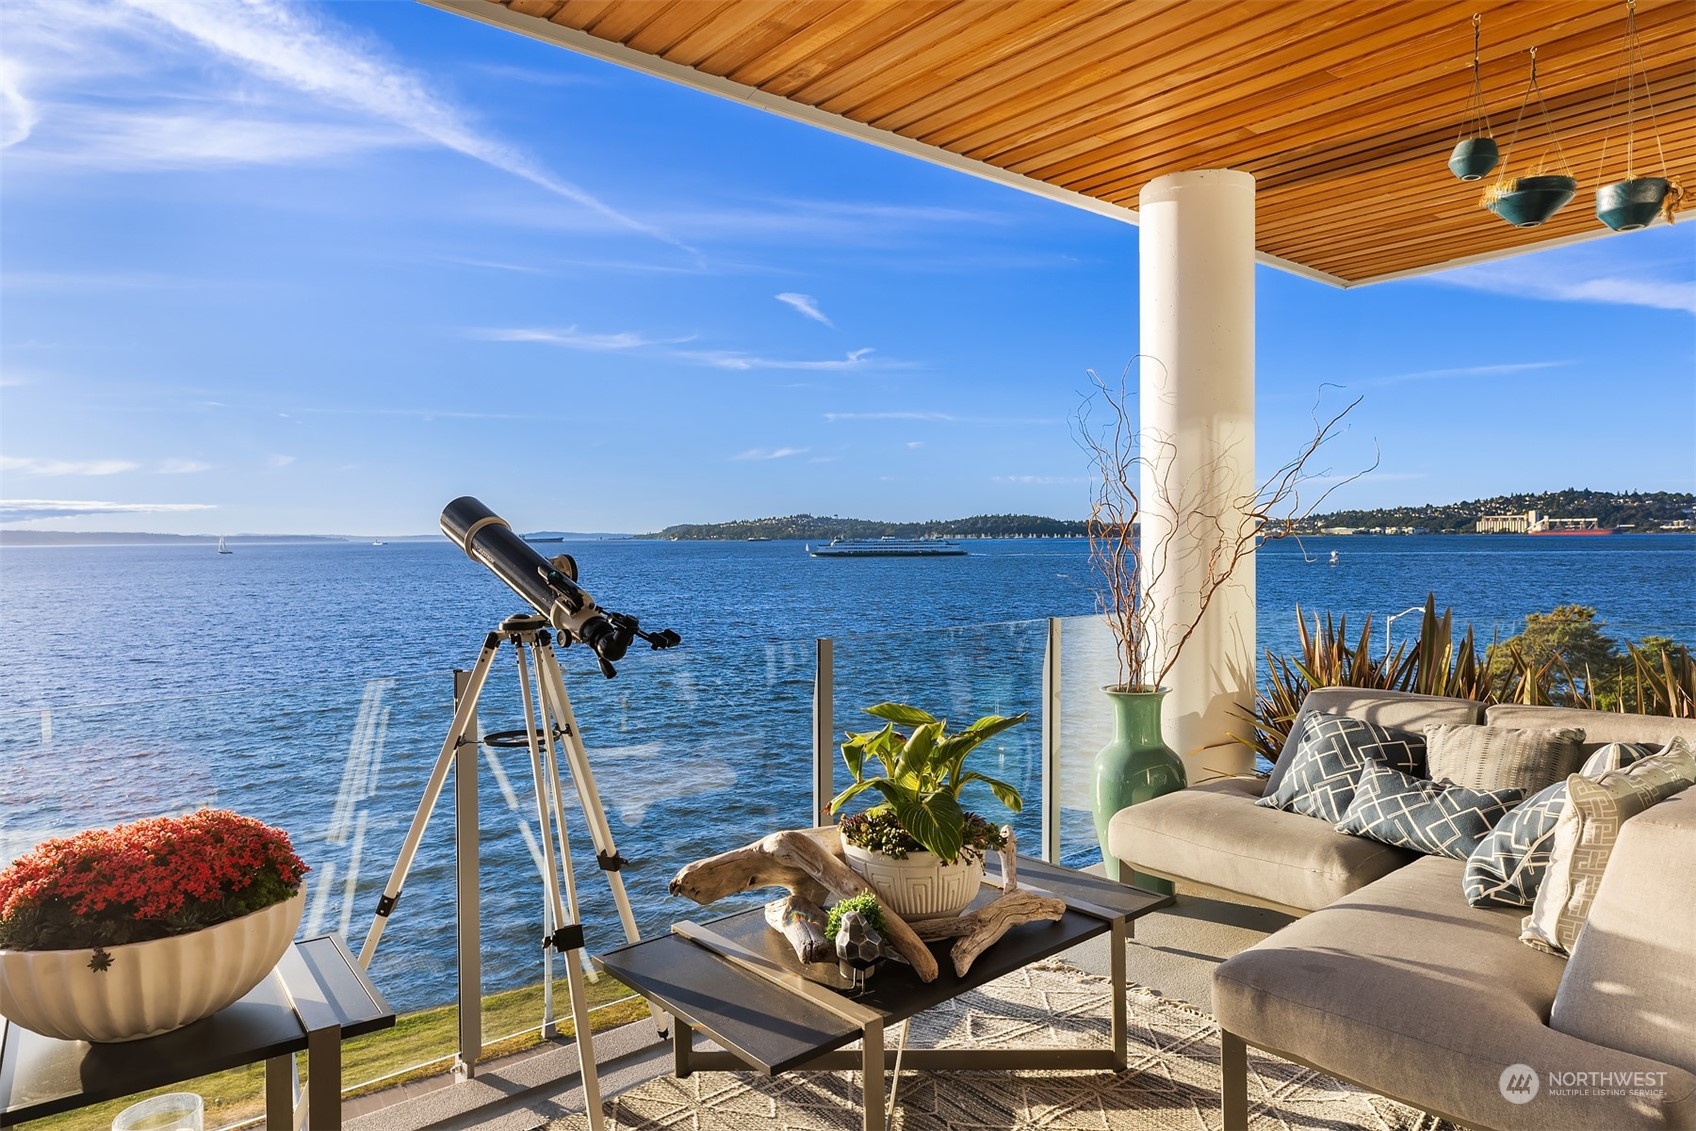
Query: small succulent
[[865, 905]]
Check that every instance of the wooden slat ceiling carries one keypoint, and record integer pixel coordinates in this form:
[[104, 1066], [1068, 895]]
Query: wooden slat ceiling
[[1344, 110]]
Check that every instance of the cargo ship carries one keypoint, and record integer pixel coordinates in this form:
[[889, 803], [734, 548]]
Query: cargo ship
[[1568, 527], [887, 548]]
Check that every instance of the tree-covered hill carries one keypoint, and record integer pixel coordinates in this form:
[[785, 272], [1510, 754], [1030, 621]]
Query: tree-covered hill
[[816, 528], [1643, 511]]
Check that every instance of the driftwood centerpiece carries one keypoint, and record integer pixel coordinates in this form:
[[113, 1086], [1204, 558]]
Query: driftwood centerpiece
[[808, 862]]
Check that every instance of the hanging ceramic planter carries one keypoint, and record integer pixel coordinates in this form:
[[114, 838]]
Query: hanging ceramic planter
[[1634, 202], [1528, 201], [1475, 153]]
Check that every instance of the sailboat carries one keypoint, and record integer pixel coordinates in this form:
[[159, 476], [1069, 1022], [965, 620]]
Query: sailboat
[[223, 547]]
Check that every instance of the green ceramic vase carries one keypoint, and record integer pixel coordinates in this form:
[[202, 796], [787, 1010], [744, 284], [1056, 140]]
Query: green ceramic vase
[[1134, 767]]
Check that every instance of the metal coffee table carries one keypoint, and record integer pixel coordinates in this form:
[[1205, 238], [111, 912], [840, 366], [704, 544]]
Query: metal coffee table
[[739, 983]]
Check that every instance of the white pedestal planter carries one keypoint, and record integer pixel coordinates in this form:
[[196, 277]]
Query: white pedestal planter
[[150, 987], [919, 887]]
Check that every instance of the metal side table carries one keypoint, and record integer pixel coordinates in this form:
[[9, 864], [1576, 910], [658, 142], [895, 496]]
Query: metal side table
[[739, 983], [316, 997]]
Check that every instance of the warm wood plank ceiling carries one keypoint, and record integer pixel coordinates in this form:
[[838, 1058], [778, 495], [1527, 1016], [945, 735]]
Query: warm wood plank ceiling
[[1344, 110]]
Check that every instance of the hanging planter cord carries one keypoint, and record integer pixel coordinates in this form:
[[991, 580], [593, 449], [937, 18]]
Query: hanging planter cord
[[1503, 181], [1634, 63], [1474, 109]]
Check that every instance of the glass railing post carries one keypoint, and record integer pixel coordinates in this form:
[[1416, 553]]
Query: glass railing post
[[1051, 743], [824, 728], [469, 913]]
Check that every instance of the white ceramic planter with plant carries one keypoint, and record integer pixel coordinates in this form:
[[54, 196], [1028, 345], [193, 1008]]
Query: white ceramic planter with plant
[[917, 848], [124, 933]]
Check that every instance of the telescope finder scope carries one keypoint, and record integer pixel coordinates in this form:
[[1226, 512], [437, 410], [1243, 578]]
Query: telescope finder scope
[[548, 587]]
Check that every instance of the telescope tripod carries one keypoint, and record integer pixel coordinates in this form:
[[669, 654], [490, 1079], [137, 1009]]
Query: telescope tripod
[[547, 718]]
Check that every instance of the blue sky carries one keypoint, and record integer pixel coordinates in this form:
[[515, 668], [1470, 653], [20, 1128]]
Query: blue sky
[[279, 268]]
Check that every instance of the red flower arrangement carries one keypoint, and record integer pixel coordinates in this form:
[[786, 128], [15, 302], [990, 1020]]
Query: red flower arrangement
[[146, 880]]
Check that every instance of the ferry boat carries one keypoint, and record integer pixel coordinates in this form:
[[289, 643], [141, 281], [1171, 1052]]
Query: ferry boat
[[887, 548]]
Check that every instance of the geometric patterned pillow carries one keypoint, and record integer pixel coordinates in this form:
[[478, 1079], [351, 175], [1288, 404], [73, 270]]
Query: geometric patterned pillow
[[1508, 865], [1329, 759], [1585, 836], [1436, 818]]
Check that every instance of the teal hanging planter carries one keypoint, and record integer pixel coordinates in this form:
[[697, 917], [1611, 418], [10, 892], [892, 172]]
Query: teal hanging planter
[[1473, 157], [1528, 201], [1134, 767], [1626, 206], [1475, 153]]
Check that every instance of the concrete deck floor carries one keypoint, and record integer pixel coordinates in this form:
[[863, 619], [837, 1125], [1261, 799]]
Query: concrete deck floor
[[1174, 951]]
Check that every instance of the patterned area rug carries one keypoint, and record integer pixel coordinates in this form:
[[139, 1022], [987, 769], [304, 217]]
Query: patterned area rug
[[1172, 1081]]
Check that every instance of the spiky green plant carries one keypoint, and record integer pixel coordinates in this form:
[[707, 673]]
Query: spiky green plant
[[1326, 659]]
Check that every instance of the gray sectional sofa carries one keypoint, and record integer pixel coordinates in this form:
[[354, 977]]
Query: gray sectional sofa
[[1391, 980]]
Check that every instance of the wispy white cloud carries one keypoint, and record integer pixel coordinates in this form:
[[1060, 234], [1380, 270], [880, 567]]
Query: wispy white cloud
[[572, 338], [1652, 268], [18, 114], [27, 466], [1509, 369], [33, 510], [912, 444], [301, 51], [1041, 480], [279, 461], [141, 141], [806, 305], [936, 418], [569, 338], [856, 359], [768, 453], [93, 280], [182, 466]]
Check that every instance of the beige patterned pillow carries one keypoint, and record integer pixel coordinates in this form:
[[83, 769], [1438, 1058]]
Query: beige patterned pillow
[[1585, 836], [1490, 758]]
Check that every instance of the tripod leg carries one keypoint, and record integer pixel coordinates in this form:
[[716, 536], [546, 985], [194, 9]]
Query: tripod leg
[[587, 795], [556, 794], [462, 716], [553, 688], [536, 736], [588, 1070]]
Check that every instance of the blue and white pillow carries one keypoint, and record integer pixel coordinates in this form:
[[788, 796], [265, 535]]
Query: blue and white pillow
[[1328, 761], [1508, 866], [1436, 818]]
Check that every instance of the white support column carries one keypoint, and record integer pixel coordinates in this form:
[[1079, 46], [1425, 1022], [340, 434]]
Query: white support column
[[1197, 423]]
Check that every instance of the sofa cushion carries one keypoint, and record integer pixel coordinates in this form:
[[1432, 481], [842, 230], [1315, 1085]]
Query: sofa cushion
[[1507, 867], [1398, 710], [1585, 835], [1403, 988], [1438, 818], [1328, 760], [1643, 920], [1486, 757], [1599, 727], [1215, 834]]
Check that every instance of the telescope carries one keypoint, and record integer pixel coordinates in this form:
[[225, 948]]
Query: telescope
[[548, 586]]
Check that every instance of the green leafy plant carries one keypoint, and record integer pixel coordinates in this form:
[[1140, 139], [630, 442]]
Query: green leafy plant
[[866, 904], [923, 772]]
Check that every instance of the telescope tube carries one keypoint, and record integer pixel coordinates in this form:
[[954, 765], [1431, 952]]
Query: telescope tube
[[486, 537]]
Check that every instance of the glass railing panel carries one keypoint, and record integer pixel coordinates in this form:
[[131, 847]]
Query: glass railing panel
[[692, 752], [1088, 662], [961, 674]]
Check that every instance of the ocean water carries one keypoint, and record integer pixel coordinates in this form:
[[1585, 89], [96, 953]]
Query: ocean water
[[309, 685]]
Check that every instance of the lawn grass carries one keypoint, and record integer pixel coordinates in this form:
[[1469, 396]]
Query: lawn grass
[[420, 1044]]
